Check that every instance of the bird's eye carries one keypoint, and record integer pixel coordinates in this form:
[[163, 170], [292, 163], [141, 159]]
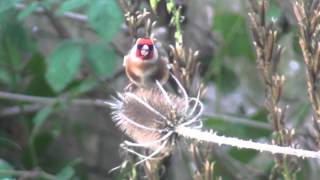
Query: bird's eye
[[139, 46], [150, 47]]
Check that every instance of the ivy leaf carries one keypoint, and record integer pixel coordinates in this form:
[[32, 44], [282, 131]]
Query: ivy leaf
[[63, 64], [101, 60], [71, 5], [105, 18]]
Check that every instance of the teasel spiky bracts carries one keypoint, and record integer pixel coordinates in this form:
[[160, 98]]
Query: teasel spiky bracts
[[150, 117], [307, 15], [268, 54]]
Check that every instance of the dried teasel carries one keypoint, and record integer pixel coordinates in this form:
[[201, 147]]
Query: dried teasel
[[151, 116], [155, 119]]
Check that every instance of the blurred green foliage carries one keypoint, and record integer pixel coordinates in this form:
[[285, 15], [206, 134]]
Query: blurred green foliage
[[25, 68]]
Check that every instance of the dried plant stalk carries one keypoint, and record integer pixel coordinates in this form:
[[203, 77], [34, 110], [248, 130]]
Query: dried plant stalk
[[185, 66], [307, 15], [268, 57]]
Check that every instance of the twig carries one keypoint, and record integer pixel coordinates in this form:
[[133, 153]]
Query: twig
[[199, 135], [50, 100], [61, 30], [57, 24], [238, 120], [30, 108], [71, 15], [28, 174], [11, 111]]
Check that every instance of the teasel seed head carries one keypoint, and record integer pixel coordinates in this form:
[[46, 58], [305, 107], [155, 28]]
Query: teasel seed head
[[150, 116]]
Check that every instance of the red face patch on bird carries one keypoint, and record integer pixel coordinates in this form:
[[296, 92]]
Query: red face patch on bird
[[144, 48]]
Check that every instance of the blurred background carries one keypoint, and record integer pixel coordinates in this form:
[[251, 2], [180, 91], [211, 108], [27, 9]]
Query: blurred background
[[60, 59]]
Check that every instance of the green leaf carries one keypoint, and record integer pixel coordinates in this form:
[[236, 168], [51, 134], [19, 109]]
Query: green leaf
[[260, 116], [66, 173], [3, 167], [105, 18], [227, 80], [40, 118], [101, 60], [225, 128], [63, 64], [12, 59], [5, 77], [233, 29], [27, 158], [153, 4], [13, 30], [70, 5], [7, 4], [243, 155], [42, 142], [8, 143], [82, 86], [35, 69], [273, 12], [28, 10], [13, 54], [170, 6]]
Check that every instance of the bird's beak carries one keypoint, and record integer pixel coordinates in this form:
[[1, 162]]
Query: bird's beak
[[145, 50]]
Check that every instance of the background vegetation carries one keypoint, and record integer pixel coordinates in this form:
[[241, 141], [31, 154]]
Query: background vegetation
[[60, 59]]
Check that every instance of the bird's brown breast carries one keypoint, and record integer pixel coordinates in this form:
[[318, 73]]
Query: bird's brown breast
[[144, 74]]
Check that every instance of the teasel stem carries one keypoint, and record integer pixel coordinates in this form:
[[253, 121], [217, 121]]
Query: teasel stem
[[211, 137]]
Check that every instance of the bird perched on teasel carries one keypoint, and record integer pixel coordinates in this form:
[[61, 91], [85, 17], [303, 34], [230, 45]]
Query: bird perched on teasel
[[144, 66]]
